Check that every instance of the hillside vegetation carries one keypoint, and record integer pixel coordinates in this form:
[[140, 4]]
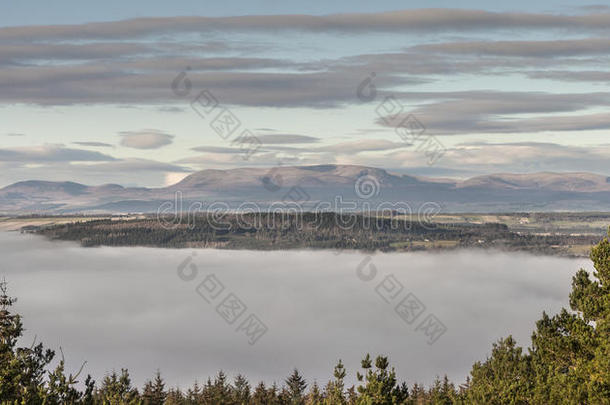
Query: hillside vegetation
[[267, 231]]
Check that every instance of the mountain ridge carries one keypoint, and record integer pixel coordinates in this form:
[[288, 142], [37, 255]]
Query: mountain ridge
[[544, 190]]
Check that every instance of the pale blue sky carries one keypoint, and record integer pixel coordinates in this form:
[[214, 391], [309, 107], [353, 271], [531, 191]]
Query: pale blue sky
[[501, 92], [41, 12]]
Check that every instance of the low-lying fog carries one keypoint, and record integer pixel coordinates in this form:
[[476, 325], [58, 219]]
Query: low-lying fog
[[128, 307]]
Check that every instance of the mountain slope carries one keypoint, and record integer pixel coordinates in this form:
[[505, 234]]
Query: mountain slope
[[578, 182], [315, 176], [489, 193]]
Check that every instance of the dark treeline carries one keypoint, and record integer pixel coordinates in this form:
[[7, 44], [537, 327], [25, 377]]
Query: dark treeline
[[307, 230], [568, 363]]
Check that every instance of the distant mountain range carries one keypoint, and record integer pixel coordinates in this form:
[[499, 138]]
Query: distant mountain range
[[310, 186]]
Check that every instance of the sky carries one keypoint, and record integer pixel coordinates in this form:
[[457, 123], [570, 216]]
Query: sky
[[118, 307], [144, 93]]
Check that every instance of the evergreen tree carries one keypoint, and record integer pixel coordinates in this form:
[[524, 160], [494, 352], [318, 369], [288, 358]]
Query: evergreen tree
[[569, 361], [61, 388], [207, 393], [315, 396], [442, 393], [22, 370], [262, 395], [335, 390], [175, 397], [591, 298], [221, 390], [154, 391], [193, 394], [418, 394], [295, 386], [274, 397], [504, 378], [241, 391], [352, 396], [380, 384], [88, 396], [117, 390]]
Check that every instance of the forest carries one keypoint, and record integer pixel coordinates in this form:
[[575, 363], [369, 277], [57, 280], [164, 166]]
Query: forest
[[568, 362], [316, 230]]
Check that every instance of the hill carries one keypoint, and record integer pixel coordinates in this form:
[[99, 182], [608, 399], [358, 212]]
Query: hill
[[311, 186]]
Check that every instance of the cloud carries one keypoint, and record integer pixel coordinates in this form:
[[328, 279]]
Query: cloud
[[413, 20], [145, 139], [264, 158], [59, 65], [50, 153], [596, 8], [137, 165], [171, 109], [128, 172], [368, 145], [516, 289], [91, 83], [217, 149], [480, 158], [136, 73], [239, 81], [29, 52], [523, 155], [538, 49], [18, 54], [502, 112], [175, 64], [572, 76], [279, 139], [94, 144], [461, 160], [351, 147]]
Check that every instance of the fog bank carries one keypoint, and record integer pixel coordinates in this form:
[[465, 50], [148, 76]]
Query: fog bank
[[128, 307]]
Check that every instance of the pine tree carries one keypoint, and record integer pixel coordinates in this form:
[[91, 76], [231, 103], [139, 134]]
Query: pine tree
[[221, 390], [418, 394], [260, 395], [88, 395], [314, 397], [207, 393], [570, 351], [61, 388], [117, 390], [240, 393], [154, 391], [569, 361], [504, 378], [273, 396], [335, 390], [352, 396], [442, 393], [295, 386], [193, 394], [22, 370], [592, 300], [175, 397], [380, 384]]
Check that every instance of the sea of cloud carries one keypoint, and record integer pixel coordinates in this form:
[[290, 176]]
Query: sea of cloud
[[134, 307]]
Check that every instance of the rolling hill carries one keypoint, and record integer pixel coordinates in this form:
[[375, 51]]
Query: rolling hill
[[310, 186]]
